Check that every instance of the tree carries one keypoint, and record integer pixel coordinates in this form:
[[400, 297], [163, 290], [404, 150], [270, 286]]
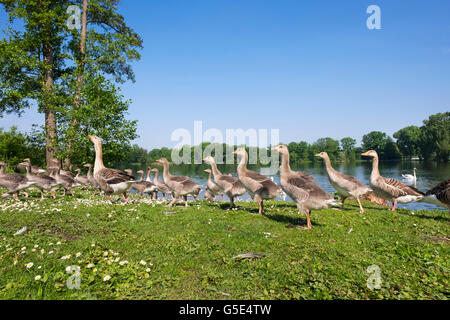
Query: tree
[[327, 145], [375, 140], [435, 137], [32, 62], [105, 46], [348, 147], [408, 141]]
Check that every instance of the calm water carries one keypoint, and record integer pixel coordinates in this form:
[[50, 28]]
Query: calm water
[[428, 175]]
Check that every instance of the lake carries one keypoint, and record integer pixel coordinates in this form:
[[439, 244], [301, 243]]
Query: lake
[[428, 175]]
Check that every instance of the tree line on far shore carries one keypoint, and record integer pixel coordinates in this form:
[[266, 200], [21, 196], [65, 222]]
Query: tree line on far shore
[[431, 142]]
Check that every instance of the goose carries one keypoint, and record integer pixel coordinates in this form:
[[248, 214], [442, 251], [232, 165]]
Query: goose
[[14, 182], [160, 186], [90, 177], [143, 186], [345, 185], [42, 181], [149, 179], [410, 179], [388, 188], [302, 188], [212, 189], [180, 186], [229, 185], [111, 181], [439, 195], [65, 181], [259, 186], [83, 180]]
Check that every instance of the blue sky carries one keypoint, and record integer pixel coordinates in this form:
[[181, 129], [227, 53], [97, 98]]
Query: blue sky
[[309, 68]]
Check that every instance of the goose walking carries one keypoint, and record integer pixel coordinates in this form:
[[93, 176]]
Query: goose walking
[[91, 178], [212, 189], [65, 181], [302, 188], [345, 185], [42, 181], [259, 186], [14, 182], [229, 185], [180, 186], [143, 186], [160, 186], [83, 180], [439, 195], [111, 181], [388, 188]]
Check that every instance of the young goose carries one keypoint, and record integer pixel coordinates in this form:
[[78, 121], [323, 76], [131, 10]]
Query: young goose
[[229, 185], [149, 179], [212, 188], [439, 195], [42, 181], [111, 181], [65, 181], [143, 186], [14, 182], [302, 188], [90, 177], [81, 179], [388, 188], [180, 186], [160, 186], [344, 184], [259, 186]]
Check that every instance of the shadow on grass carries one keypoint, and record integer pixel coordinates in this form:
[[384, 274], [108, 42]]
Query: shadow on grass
[[296, 221]]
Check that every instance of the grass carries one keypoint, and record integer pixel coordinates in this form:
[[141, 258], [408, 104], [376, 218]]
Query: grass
[[189, 252]]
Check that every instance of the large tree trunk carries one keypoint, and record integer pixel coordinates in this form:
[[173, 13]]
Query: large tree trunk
[[50, 115], [80, 79]]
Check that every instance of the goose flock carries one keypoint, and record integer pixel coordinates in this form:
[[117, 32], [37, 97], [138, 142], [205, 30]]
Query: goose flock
[[299, 186]]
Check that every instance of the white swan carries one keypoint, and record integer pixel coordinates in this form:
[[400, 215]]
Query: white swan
[[409, 178]]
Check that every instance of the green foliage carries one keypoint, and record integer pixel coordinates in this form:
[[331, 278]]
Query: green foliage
[[103, 114], [348, 148], [16, 146], [408, 141], [435, 137]]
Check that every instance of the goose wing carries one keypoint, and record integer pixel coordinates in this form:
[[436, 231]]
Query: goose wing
[[114, 176], [256, 176], [397, 188]]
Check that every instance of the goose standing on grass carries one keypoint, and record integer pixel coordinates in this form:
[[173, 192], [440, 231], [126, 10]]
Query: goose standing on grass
[[91, 178], [302, 188], [143, 186], [180, 186], [83, 180], [149, 179], [111, 181], [42, 181], [65, 181], [439, 195], [227, 183], [345, 185], [259, 186], [160, 186], [410, 179], [212, 189], [388, 188], [14, 182]]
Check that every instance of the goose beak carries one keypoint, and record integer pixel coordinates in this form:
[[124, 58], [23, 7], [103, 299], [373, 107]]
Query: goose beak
[[317, 155], [365, 154]]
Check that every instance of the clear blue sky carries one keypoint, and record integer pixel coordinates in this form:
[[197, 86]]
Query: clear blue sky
[[309, 68]]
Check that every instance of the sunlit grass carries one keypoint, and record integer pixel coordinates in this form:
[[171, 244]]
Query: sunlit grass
[[146, 250]]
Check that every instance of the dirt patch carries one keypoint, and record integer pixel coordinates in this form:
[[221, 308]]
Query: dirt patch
[[445, 239]]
